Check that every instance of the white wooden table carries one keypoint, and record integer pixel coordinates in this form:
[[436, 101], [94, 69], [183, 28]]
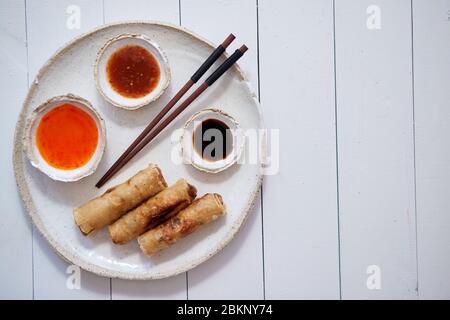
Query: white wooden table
[[360, 91]]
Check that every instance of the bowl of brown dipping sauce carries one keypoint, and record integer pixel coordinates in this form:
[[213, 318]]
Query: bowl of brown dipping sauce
[[212, 140], [131, 71]]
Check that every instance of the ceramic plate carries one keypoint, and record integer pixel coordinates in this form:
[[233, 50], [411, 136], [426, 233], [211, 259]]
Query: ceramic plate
[[50, 203]]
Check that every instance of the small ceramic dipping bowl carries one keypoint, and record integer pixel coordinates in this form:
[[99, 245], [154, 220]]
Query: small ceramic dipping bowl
[[153, 58], [65, 138], [212, 140]]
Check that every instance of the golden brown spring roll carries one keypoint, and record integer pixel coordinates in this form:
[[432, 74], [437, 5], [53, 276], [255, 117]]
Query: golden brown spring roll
[[137, 221], [120, 199], [202, 211]]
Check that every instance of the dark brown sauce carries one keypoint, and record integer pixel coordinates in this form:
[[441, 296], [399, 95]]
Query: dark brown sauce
[[212, 140], [133, 71]]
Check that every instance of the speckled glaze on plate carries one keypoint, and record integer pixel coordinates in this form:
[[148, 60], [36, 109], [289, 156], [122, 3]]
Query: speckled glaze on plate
[[50, 202]]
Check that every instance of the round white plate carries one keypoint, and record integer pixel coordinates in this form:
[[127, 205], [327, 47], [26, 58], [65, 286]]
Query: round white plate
[[50, 203]]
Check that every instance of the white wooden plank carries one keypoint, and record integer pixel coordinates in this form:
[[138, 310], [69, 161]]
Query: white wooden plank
[[376, 149], [168, 11], [118, 10], [237, 271], [54, 278], [300, 202], [47, 24], [15, 228], [431, 28]]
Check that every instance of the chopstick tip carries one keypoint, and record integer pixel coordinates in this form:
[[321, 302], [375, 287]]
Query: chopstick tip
[[228, 40], [243, 48]]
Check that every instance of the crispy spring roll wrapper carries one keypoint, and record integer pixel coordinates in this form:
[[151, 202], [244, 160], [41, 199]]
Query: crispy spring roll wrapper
[[137, 221], [120, 199], [202, 211]]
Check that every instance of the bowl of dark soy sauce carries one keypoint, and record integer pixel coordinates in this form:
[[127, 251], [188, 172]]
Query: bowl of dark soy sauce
[[212, 140]]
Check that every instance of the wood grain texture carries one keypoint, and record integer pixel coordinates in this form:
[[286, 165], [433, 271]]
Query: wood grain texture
[[300, 202], [432, 122], [375, 149], [47, 23], [16, 280], [168, 11], [237, 271]]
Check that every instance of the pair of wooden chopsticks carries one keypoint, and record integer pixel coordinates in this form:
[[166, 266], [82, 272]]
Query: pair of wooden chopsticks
[[147, 134]]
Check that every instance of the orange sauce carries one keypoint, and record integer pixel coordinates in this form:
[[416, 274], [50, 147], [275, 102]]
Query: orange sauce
[[133, 71], [67, 137]]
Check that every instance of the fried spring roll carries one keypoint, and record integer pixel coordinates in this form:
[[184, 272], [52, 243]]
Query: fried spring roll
[[202, 211], [137, 221], [118, 200]]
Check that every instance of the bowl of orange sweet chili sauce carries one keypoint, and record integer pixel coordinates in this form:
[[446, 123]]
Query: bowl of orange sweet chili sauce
[[65, 138], [131, 71]]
